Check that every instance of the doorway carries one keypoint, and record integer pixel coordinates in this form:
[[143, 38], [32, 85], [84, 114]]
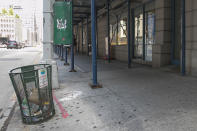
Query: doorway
[[149, 34], [144, 49]]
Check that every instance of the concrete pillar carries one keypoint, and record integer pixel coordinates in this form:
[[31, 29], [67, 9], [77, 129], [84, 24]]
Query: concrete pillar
[[48, 40], [162, 46], [48, 29]]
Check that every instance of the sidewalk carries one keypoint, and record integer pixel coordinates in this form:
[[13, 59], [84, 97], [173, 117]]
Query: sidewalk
[[136, 99]]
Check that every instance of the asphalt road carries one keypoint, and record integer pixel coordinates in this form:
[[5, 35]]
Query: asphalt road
[[9, 59]]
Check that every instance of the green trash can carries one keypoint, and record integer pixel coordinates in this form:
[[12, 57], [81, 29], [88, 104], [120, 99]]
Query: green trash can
[[33, 88]]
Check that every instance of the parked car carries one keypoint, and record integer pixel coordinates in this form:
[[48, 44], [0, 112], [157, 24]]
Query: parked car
[[3, 44], [22, 45], [12, 44]]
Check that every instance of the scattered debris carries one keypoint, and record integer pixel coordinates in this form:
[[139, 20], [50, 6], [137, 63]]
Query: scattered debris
[[77, 120]]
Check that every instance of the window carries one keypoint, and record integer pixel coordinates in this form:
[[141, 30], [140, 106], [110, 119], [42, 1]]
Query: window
[[139, 36], [122, 33], [118, 32]]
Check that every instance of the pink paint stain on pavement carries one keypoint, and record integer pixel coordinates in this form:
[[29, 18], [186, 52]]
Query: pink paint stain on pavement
[[63, 111]]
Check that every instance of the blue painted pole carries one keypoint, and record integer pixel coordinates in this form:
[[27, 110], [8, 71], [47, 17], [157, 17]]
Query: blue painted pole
[[82, 36], [66, 56], [144, 45], [97, 46], [62, 55], [173, 30], [93, 25], [78, 39], [183, 38], [72, 46], [59, 51], [129, 33], [133, 31], [108, 31], [87, 37], [55, 49]]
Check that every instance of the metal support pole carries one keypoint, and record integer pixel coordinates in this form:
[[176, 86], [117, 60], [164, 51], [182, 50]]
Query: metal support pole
[[78, 38], [55, 49], [173, 30], [108, 30], [117, 28], [133, 32], [144, 17], [129, 33], [82, 36], [72, 46], [183, 38], [66, 57], [94, 61], [59, 51], [62, 55], [87, 37], [97, 46]]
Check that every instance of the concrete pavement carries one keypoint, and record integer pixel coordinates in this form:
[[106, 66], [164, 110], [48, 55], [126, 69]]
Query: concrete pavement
[[136, 99], [9, 59]]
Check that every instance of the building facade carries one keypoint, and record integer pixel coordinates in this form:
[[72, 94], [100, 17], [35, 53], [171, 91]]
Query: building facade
[[157, 33], [11, 28]]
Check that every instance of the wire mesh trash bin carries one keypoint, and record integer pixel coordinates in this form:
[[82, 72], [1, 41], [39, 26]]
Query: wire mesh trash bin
[[33, 88]]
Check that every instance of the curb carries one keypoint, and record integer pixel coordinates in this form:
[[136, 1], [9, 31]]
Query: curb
[[7, 116]]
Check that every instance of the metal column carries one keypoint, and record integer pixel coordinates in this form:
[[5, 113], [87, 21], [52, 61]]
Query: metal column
[[183, 38], [97, 46], [82, 36], [117, 28], [78, 38], [108, 30], [66, 56], [62, 52], [72, 46], [87, 37], [59, 51], [93, 32], [129, 33], [173, 30], [144, 17], [133, 31]]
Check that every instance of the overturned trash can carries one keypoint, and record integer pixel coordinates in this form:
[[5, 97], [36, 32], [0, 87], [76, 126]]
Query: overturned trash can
[[33, 88]]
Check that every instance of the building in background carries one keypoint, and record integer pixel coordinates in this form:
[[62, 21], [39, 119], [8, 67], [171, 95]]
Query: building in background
[[11, 28], [30, 13]]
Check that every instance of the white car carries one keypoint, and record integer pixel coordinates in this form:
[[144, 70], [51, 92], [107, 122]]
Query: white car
[[3, 45]]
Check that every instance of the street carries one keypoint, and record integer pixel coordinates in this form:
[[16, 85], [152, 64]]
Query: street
[[9, 59]]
